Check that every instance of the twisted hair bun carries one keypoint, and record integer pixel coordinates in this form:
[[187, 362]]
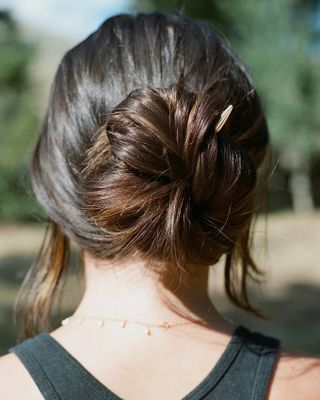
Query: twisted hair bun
[[159, 179]]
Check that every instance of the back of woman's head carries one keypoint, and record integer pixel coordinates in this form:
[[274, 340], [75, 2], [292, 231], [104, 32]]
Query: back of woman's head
[[129, 158]]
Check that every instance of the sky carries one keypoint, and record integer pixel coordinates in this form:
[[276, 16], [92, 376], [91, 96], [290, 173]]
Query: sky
[[73, 18]]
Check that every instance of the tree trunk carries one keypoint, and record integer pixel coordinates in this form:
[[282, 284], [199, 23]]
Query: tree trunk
[[300, 188]]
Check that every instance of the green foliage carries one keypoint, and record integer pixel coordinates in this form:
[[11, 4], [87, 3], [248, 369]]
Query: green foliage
[[19, 122], [209, 10], [287, 72]]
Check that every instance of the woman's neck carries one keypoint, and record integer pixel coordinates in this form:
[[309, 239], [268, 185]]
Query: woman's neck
[[131, 289]]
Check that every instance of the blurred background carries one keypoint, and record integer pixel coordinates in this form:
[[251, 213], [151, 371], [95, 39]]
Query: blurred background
[[280, 43]]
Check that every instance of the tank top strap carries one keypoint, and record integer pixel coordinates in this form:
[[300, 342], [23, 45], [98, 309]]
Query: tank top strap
[[31, 354], [57, 374], [267, 350], [249, 374], [244, 371]]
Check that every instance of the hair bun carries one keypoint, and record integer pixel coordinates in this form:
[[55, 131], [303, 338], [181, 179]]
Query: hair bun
[[165, 183]]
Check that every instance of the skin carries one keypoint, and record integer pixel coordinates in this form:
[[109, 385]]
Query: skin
[[131, 289]]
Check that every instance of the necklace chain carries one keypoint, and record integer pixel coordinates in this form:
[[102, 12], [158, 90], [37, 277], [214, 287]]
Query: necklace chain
[[101, 322]]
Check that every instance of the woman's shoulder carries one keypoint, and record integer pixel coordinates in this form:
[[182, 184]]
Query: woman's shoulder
[[15, 381], [296, 376]]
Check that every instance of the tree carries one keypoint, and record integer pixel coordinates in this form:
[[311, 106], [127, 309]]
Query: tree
[[19, 121], [286, 65]]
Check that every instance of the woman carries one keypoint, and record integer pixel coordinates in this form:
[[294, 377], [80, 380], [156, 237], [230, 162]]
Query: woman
[[149, 159]]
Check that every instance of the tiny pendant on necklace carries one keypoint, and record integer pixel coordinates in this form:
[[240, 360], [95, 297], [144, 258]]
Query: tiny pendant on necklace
[[148, 331], [124, 324]]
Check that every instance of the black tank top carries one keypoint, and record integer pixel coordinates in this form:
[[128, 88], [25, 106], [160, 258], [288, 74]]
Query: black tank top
[[243, 371]]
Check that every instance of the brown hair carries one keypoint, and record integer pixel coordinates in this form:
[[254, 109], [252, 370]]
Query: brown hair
[[128, 158]]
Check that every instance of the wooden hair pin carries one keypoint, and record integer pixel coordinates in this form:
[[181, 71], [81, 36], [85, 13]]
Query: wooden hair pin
[[223, 118]]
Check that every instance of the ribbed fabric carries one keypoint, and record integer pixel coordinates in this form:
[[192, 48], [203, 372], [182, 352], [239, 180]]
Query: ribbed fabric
[[242, 372]]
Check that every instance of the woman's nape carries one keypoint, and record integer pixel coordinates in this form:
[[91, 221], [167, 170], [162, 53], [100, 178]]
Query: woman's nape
[[132, 289]]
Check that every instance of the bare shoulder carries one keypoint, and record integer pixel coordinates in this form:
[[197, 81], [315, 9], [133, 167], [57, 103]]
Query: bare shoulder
[[296, 376], [15, 381]]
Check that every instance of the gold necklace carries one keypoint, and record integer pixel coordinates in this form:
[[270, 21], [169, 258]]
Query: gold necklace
[[101, 322]]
